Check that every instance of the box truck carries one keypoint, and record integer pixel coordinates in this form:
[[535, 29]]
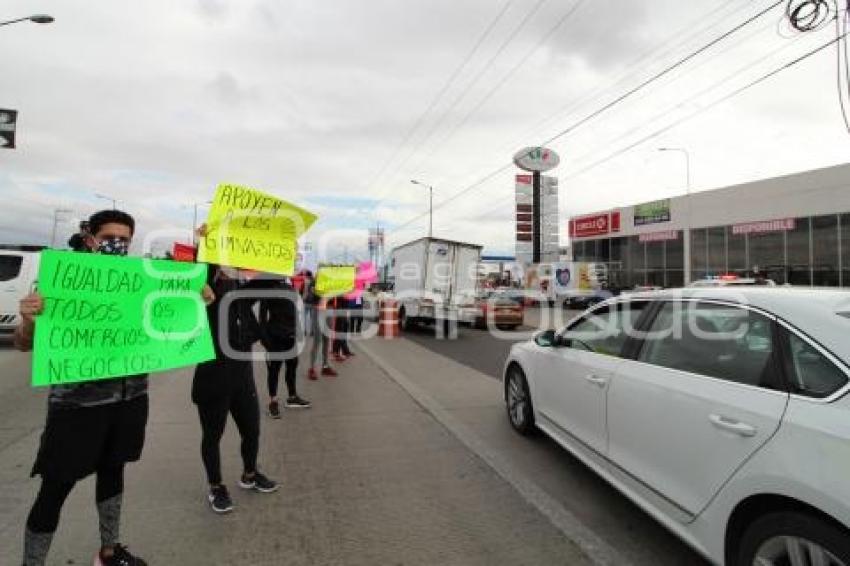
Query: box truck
[[431, 278]]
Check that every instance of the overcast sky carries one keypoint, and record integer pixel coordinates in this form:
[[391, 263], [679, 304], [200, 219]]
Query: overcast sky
[[154, 103]]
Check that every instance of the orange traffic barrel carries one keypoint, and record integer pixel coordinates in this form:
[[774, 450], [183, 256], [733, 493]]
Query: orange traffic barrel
[[388, 325]]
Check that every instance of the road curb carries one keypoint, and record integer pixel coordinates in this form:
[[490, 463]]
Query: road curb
[[597, 551]]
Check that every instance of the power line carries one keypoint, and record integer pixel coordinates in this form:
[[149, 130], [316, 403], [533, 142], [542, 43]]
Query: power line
[[732, 94], [613, 103], [644, 60], [489, 94], [656, 133], [445, 88], [662, 73], [458, 99]]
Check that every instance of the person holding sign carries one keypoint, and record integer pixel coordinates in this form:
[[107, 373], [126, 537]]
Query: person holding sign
[[94, 427], [279, 321], [317, 309], [225, 385]]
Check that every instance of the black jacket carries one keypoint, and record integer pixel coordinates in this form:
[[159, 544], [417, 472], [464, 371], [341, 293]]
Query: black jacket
[[279, 320], [237, 326]]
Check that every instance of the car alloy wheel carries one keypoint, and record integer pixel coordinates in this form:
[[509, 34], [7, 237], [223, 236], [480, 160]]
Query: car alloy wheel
[[518, 402], [794, 551]]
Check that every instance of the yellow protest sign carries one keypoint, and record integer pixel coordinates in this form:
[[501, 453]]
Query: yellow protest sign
[[333, 280], [254, 230]]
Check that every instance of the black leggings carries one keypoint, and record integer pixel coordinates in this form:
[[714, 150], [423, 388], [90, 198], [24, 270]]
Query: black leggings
[[241, 403], [44, 515], [274, 367]]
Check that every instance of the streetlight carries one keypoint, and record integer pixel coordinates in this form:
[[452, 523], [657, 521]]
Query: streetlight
[[687, 228], [430, 206], [37, 18], [113, 200]]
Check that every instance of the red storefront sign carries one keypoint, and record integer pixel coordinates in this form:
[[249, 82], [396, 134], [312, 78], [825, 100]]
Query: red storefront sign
[[524, 227], [764, 226], [522, 217], [523, 179], [524, 208], [595, 225], [523, 236]]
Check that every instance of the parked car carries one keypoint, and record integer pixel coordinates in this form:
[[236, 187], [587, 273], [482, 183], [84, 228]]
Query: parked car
[[720, 411], [504, 308]]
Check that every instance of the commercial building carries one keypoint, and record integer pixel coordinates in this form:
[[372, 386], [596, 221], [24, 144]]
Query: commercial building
[[793, 229]]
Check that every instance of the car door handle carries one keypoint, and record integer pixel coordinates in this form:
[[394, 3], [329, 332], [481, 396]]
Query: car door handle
[[739, 428], [596, 380]]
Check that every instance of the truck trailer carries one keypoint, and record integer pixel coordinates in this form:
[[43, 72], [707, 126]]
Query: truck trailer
[[431, 276]]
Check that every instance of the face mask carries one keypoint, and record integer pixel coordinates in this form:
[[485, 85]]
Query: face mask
[[113, 246]]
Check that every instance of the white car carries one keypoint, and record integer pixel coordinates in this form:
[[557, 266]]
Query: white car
[[720, 411]]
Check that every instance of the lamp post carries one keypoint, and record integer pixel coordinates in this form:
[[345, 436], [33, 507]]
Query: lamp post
[[113, 200], [686, 232], [37, 18], [430, 206]]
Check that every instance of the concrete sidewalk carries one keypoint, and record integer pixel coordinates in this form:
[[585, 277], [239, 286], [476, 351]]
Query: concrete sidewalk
[[368, 477]]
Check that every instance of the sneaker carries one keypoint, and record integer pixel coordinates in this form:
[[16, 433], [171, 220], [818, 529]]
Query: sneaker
[[297, 402], [274, 410], [120, 557], [329, 372], [258, 482], [311, 374], [339, 358], [220, 500]]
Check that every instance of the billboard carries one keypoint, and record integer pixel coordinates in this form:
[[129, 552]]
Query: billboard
[[652, 212]]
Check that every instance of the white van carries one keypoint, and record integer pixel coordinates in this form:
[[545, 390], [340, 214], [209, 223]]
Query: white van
[[18, 271]]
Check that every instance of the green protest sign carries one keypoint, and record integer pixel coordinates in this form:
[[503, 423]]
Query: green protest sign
[[107, 316]]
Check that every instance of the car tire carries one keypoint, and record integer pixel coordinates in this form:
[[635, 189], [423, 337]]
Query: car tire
[[768, 536], [518, 401]]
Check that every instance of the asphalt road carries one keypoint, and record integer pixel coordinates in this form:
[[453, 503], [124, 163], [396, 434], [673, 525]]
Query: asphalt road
[[485, 351]]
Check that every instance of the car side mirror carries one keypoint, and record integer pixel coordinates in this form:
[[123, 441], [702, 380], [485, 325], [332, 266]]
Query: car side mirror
[[546, 339]]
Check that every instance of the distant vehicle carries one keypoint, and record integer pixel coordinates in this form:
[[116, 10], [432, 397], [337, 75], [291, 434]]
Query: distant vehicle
[[372, 298], [501, 308], [729, 280], [722, 412], [430, 278], [18, 270], [568, 282]]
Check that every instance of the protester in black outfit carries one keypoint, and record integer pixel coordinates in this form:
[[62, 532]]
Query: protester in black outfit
[[92, 427], [280, 325], [225, 386], [340, 348]]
